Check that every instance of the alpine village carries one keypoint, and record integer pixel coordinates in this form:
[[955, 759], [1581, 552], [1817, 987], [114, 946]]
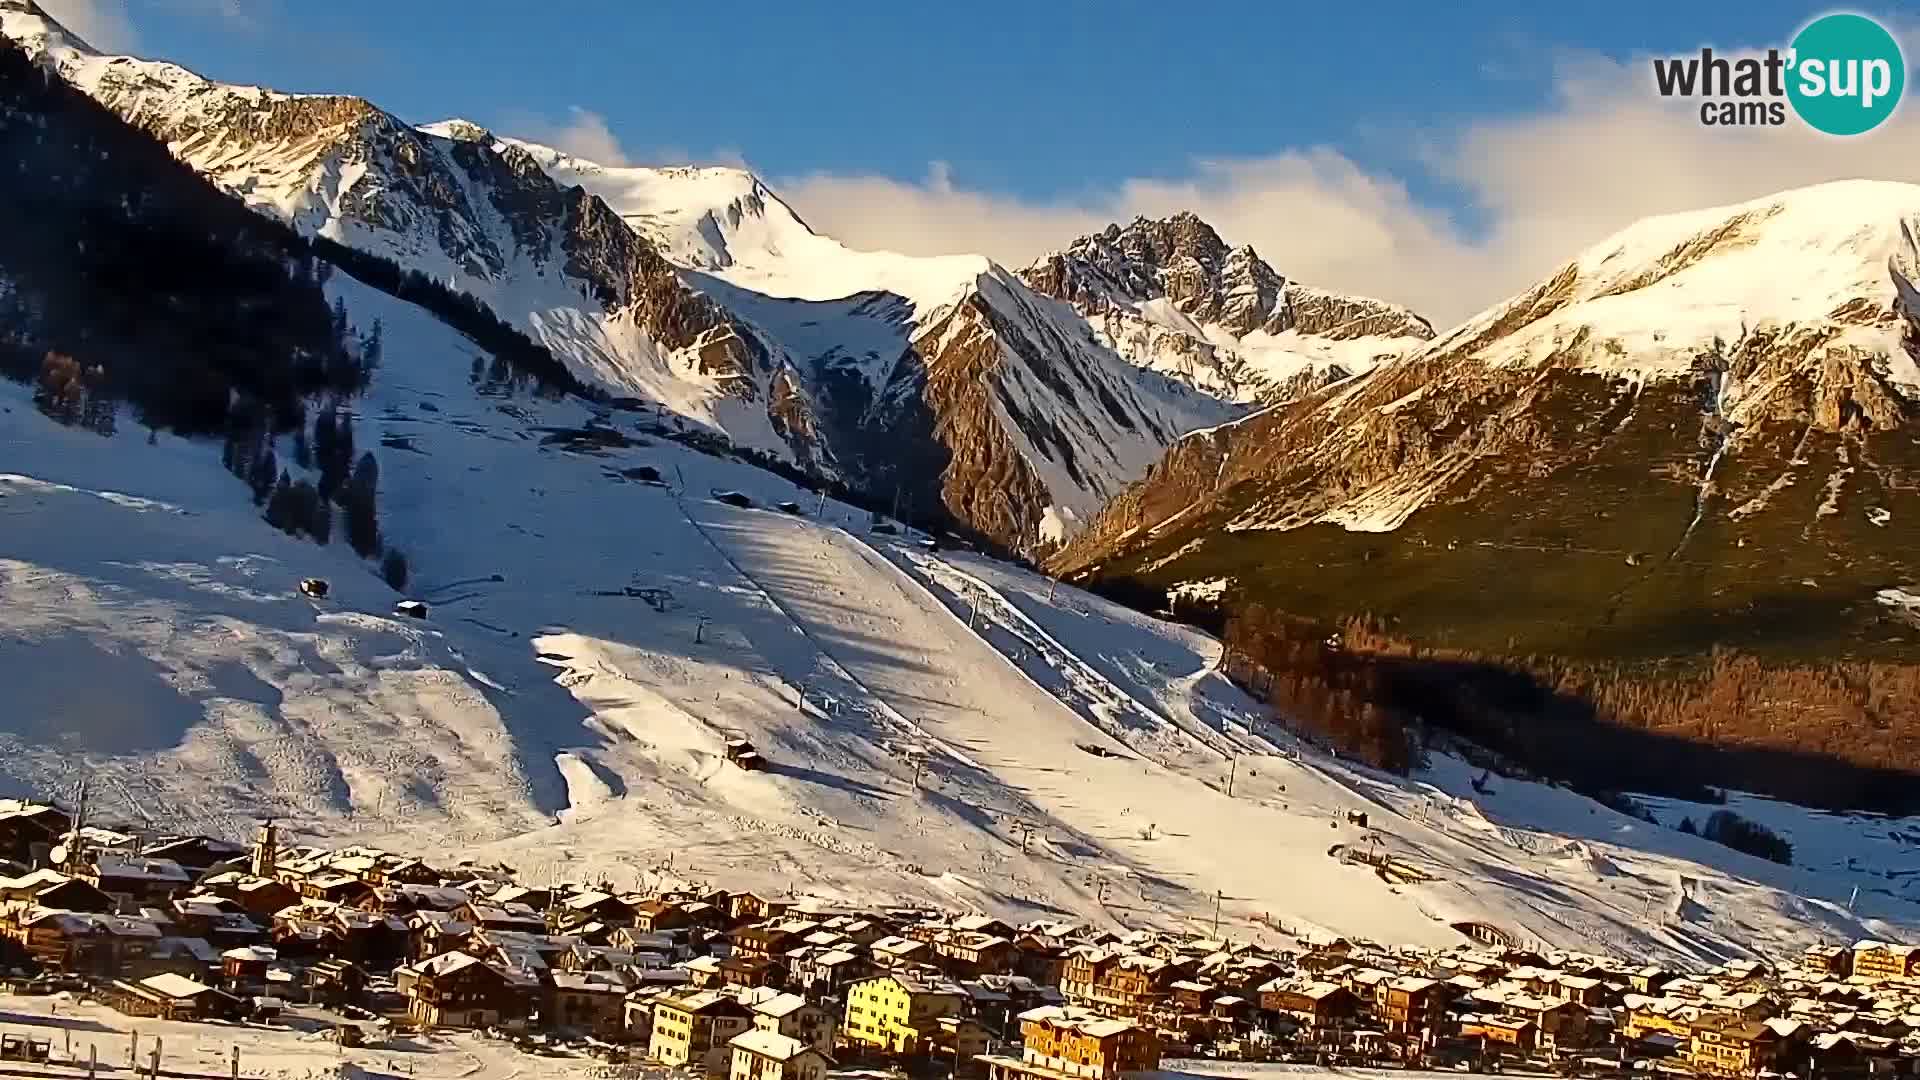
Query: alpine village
[[687, 979]]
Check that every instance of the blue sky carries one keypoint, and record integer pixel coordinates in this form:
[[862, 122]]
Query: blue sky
[[894, 122], [1036, 98]]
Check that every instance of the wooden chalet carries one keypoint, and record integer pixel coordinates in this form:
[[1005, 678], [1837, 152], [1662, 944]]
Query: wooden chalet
[[132, 880], [29, 830], [586, 1002], [458, 990], [766, 942], [657, 914], [171, 997]]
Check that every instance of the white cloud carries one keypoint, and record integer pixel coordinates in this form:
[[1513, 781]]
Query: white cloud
[[103, 24], [585, 134], [582, 133], [1604, 153]]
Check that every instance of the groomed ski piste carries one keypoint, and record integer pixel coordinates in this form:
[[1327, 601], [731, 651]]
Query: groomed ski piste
[[940, 728]]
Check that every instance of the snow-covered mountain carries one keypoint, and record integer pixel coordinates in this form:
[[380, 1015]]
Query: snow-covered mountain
[[482, 218], [1171, 295], [1711, 412], [944, 380], [947, 378], [941, 728]]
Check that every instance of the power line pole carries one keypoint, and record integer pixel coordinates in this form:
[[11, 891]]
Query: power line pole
[[1233, 768], [1216, 914]]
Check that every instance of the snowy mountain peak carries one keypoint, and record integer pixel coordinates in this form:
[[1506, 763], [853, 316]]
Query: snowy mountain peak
[[1821, 265], [460, 131], [704, 217], [1173, 295], [39, 33]]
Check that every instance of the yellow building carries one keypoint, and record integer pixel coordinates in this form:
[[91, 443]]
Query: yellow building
[[899, 1014], [1878, 960], [694, 1030], [1730, 1046], [1070, 1043], [1660, 1018]]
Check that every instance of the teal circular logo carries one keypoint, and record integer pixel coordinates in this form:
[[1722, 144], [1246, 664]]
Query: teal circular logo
[[1847, 74]]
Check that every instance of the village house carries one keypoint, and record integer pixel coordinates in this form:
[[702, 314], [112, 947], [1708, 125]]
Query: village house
[[219, 920], [749, 907], [898, 953], [797, 1018], [752, 971], [898, 1013], [188, 956], [1319, 1011], [655, 915], [1876, 961], [586, 1002], [1667, 1020], [29, 830], [132, 880], [259, 897], [965, 954], [1037, 959], [484, 916], [766, 942], [1733, 1047], [1410, 1005], [430, 933], [693, 1030], [1827, 961], [336, 982], [769, 1055], [825, 974], [1061, 1042], [246, 966], [53, 889], [334, 887], [195, 854], [81, 942], [170, 997], [458, 990], [1497, 1033]]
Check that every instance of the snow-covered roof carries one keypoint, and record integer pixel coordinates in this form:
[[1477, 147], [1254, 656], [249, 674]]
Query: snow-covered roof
[[780, 1005], [769, 1044], [1074, 1018], [134, 867], [175, 986]]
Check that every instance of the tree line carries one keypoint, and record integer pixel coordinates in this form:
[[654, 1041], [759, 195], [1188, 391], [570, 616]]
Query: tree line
[[1841, 735]]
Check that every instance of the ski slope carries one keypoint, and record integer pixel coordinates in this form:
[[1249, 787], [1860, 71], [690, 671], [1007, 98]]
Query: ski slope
[[941, 728]]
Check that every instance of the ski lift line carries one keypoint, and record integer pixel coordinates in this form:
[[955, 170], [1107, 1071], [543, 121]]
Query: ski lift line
[[838, 669]]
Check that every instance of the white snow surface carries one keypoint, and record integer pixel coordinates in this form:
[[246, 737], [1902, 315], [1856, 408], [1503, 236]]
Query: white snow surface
[[1060, 743], [1649, 300]]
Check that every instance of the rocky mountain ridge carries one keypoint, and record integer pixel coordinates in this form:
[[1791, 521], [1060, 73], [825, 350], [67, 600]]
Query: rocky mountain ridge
[[841, 375], [480, 216], [1172, 292], [1665, 445]]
